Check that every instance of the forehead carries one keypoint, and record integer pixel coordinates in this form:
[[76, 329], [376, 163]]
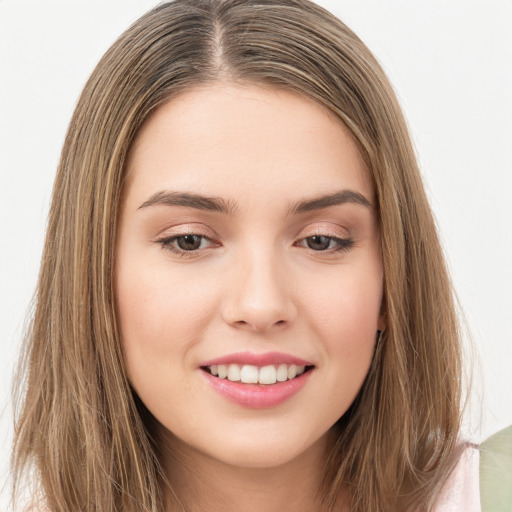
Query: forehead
[[258, 141]]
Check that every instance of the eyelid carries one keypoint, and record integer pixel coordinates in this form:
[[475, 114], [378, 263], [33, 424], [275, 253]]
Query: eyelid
[[167, 239], [339, 236], [325, 229], [190, 228], [168, 236]]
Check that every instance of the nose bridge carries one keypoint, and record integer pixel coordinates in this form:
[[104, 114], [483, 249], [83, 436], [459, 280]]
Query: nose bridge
[[259, 295]]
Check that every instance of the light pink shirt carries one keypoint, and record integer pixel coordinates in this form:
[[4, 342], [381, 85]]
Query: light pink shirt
[[461, 492]]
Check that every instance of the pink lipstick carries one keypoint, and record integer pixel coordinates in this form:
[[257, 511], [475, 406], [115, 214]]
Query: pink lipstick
[[257, 380]]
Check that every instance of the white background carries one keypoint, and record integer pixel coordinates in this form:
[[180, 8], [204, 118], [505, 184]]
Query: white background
[[451, 64]]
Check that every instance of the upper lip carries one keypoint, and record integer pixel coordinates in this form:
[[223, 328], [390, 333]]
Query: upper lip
[[264, 359]]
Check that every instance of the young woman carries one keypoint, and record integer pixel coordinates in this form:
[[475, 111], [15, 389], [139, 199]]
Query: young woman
[[243, 303]]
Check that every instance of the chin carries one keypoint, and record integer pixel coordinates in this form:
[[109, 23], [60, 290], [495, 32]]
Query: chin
[[264, 452]]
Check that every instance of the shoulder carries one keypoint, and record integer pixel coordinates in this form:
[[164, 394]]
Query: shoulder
[[482, 479], [461, 492], [496, 472]]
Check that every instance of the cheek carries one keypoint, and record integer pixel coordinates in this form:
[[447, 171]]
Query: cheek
[[345, 315], [159, 311], [162, 316], [349, 305]]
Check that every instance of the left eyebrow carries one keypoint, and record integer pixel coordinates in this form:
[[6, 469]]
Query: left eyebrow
[[337, 198]]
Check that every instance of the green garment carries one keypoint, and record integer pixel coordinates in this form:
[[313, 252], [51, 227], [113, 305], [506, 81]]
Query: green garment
[[496, 472]]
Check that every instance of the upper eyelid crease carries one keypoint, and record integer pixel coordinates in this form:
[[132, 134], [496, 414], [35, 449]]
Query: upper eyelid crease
[[230, 208]]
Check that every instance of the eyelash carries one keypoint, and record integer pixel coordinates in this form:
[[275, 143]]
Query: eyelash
[[167, 244], [341, 244]]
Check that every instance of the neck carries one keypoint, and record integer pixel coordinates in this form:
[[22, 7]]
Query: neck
[[200, 483]]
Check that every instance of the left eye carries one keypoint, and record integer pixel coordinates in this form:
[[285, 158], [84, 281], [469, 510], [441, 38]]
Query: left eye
[[325, 243]]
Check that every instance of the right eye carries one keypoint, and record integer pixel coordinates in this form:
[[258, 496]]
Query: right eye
[[187, 243]]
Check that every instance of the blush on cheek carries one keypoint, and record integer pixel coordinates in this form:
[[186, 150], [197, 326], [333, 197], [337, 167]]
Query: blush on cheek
[[348, 323]]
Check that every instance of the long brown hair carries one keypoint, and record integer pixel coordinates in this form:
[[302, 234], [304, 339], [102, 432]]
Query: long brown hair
[[79, 425]]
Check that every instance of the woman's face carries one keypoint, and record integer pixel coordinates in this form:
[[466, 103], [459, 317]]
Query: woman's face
[[249, 245]]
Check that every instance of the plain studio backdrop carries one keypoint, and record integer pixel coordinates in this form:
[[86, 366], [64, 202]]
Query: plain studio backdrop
[[451, 65]]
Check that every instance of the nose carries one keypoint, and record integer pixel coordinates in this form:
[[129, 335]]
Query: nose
[[259, 295]]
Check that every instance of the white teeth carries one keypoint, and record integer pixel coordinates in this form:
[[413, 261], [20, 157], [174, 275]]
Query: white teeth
[[234, 372], [223, 371], [250, 374], [282, 373], [267, 375]]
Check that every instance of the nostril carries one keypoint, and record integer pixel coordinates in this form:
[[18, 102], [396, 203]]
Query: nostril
[[259, 325]]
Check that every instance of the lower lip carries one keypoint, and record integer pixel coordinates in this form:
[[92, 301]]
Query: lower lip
[[257, 396]]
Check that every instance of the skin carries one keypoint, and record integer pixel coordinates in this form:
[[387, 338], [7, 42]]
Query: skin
[[257, 282]]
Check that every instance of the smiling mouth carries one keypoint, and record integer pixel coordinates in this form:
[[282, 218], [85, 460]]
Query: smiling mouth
[[250, 374]]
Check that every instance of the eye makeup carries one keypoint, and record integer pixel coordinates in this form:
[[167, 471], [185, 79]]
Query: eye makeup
[[192, 244]]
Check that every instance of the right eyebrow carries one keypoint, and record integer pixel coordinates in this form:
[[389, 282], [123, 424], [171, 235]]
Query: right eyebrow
[[215, 204]]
